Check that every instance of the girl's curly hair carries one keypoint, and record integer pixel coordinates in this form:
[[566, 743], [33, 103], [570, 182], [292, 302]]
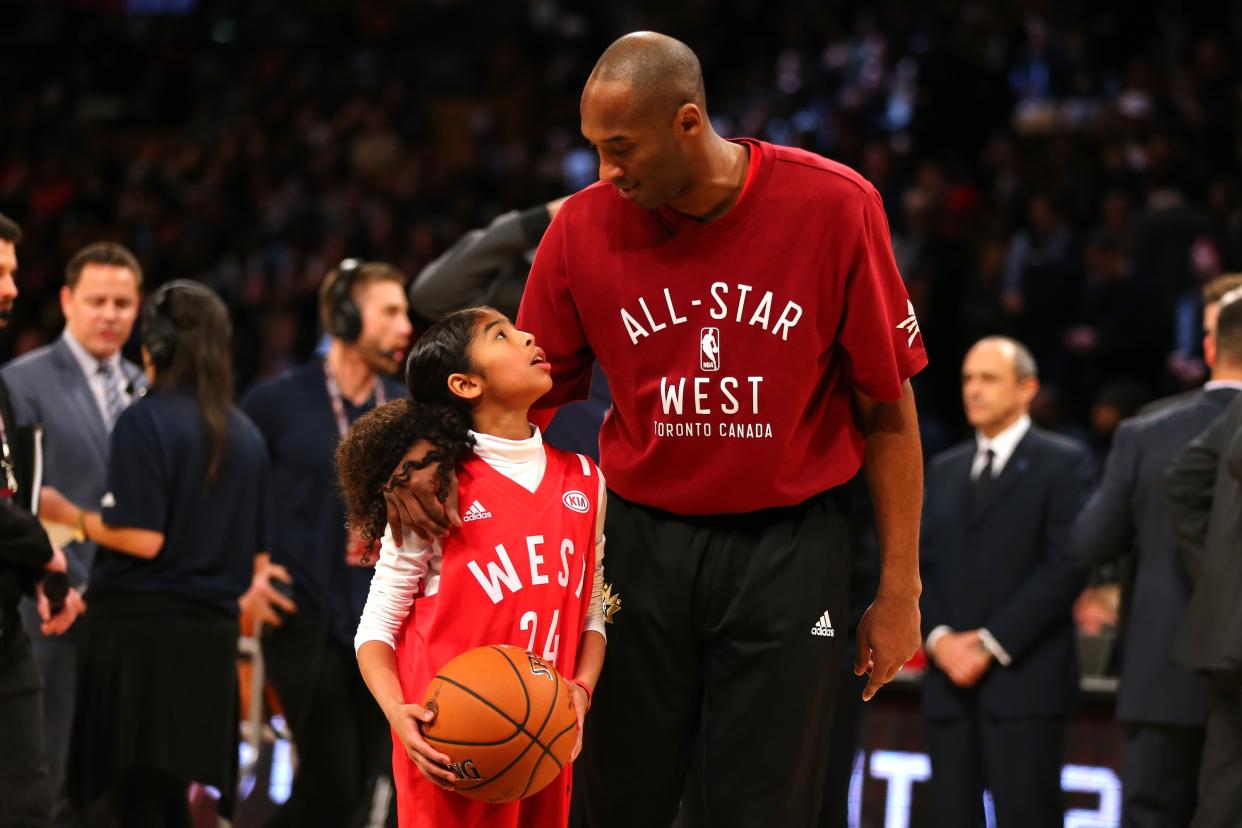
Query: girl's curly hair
[[378, 440]]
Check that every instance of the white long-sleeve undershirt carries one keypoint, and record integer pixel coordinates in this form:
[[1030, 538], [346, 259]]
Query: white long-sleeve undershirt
[[402, 573]]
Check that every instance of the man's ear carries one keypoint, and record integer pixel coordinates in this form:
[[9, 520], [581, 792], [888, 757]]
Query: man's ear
[[1029, 390], [466, 386], [689, 120]]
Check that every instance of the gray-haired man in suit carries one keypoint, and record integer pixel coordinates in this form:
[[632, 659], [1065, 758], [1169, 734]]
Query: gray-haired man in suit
[[76, 388], [999, 581]]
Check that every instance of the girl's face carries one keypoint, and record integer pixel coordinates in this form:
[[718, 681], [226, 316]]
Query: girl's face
[[511, 368]]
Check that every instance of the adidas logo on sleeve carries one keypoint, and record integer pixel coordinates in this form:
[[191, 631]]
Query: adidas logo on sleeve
[[475, 512], [823, 627]]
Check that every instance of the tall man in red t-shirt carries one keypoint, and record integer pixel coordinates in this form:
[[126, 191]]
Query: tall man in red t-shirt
[[743, 301]]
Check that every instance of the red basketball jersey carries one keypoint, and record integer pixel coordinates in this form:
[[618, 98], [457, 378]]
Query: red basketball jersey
[[519, 571]]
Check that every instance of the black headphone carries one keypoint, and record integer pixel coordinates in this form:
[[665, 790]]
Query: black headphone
[[159, 331], [344, 318]]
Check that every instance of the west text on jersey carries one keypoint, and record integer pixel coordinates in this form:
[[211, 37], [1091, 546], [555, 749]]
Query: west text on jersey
[[502, 575]]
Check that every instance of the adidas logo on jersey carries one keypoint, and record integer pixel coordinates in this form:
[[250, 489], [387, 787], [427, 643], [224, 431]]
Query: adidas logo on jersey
[[824, 626], [475, 512]]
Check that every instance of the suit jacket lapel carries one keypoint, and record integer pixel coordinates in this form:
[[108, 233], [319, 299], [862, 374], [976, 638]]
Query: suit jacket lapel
[[1014, 469], [77, 392], [959, 473]]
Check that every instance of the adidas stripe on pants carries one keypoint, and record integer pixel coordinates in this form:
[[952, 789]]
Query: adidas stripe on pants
[[718, 688]]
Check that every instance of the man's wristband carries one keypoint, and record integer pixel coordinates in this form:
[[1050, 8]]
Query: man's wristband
[[79, 526]]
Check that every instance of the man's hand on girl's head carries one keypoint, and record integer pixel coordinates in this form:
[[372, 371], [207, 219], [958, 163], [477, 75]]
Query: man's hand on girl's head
[[412, 501]]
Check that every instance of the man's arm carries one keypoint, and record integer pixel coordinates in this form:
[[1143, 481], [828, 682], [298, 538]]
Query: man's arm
[[463, 274], [888, 633], [1048, 594], [1233, 457], [1189, 485], [22, 539], [22, 395], [1104, 531]]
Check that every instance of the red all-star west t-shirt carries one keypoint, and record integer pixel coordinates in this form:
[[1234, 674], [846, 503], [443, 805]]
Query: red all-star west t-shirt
[[731, 348]]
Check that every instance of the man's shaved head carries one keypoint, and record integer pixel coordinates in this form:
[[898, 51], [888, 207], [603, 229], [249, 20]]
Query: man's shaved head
[[662, 72]]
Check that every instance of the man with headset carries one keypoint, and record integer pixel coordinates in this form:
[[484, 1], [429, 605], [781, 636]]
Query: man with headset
[[341, 738]]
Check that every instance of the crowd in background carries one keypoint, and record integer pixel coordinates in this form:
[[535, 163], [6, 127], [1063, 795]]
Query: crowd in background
[[1067, 172]]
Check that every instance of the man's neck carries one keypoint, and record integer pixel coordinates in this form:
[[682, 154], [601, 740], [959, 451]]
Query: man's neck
[[719, 178], [76, 345], [992, 431], [353, 375], [1226, 372]]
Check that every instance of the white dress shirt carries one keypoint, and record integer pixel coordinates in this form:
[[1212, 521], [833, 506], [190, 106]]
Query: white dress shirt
[[1002, 446], [413, 569], [90, 368]]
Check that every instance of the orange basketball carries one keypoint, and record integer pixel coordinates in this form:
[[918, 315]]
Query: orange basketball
[[506, 719]]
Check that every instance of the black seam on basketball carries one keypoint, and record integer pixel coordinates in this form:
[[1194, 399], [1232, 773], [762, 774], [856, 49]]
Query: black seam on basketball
[[521, 683], [470, 744], [520, 729], [556, 695], [521, 726], [499, 774], [534, 737], [548, 754]]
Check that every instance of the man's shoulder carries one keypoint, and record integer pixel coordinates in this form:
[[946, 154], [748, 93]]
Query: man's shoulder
[[1179, 412], [247, 432], [31, 364], [947, 457], [1057, 445], [277, 389], [591, 199], [823, 174], [394, 390]]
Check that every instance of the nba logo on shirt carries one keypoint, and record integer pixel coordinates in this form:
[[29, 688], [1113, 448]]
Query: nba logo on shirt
[[709, 349]]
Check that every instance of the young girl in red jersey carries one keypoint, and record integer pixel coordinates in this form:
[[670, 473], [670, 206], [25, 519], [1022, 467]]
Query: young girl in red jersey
[[525, 567]]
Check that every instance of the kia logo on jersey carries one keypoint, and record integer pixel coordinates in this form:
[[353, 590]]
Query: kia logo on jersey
[[709, 349], [577, 501]]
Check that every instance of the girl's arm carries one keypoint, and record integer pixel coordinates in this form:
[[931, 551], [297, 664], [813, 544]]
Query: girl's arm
[[390, 601], [594, 641]]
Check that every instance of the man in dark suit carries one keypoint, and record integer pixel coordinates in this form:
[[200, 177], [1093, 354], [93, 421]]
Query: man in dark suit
[[25, 556], [75, 388], [1203, 493], [999, 582], [1161, 706]]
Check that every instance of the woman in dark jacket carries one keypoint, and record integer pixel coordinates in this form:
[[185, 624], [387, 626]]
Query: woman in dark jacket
[[178, 531]]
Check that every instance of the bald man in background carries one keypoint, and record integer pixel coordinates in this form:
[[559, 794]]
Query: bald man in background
[[1001, 576], [744, 304]]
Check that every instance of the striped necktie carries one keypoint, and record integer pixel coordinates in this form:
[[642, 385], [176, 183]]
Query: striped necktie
[[113, 402]]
